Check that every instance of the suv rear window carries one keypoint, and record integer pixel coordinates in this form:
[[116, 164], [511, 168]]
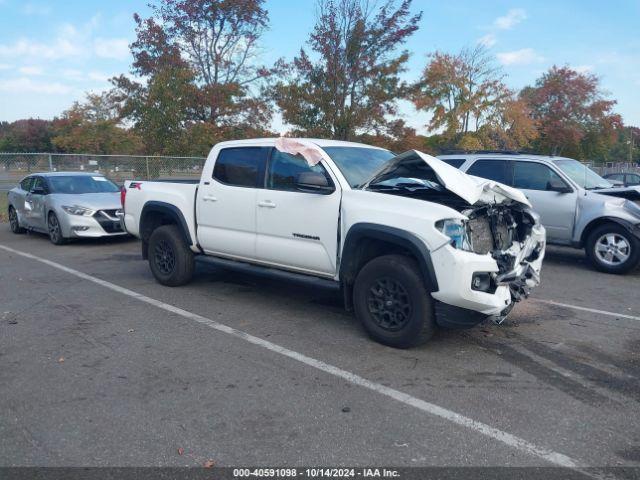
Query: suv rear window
[[498, 170], [454, 162], [241, 166]]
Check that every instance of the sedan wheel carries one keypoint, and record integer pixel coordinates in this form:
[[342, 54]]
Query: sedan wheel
[[55, 232], [14, 222]]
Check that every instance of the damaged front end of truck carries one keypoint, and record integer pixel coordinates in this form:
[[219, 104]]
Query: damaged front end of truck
[[494, 220]]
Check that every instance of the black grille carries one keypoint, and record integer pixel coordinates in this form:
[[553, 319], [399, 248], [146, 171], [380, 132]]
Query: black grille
[[107, 224]]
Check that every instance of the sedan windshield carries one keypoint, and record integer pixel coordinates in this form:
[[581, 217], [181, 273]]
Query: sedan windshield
[[358, 164], [582, 175], [75, 184]]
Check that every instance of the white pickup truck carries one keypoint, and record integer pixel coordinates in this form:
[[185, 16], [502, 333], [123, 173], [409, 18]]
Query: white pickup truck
[[413, 242]]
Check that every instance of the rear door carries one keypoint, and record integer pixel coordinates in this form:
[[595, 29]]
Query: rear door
[[18, 198], [297, 230], [492, 169], [34, 204], [557, 210], [226, 202]]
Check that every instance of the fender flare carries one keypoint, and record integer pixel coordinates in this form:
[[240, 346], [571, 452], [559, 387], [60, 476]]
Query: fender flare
[[633, 229], [396, 236], [166, 209]]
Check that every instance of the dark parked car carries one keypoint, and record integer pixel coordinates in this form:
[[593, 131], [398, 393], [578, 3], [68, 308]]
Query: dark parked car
[[628, 179]]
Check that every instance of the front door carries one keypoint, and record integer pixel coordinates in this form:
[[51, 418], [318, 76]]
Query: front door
[[226, 202], [557, 210], [297, 230]]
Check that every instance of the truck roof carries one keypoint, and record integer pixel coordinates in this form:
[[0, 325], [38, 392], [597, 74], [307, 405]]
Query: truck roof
[[321, 142]]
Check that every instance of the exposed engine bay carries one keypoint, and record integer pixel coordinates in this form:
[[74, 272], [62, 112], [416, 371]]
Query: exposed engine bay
[[506, 232], [499, 221]]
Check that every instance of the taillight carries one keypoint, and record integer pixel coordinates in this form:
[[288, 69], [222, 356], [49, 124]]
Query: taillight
[[123, 195]]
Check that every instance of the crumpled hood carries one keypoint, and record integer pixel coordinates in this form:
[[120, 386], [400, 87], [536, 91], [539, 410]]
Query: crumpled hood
[[629, 193], [471, 189]]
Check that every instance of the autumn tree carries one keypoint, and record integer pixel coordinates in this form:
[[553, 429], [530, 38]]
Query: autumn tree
[[350, 82], [462, 91], [572, 113], [27, 135], [510, 127], [195, 61], [94, 127]]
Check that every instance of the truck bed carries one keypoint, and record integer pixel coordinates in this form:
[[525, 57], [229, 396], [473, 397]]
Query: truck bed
[[179, 194]]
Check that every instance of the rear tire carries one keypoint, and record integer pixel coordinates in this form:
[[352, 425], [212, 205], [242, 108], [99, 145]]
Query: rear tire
[[392, 302], [55, 231], [611, 248], [14, 222], [172, 262]]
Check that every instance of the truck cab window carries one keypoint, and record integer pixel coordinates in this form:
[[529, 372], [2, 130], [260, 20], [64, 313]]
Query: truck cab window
[[241, 167], [284, 169]]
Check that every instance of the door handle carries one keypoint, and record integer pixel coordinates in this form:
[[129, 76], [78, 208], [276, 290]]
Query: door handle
[[267, 204], [209, 198]]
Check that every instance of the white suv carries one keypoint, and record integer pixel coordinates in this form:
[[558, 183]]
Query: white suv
[[412, 242], [577, 206]]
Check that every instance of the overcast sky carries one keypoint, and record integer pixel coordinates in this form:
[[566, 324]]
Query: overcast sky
[[52, 52]]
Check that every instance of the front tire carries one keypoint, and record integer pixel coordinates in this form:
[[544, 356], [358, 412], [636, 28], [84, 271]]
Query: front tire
[[612, 249], [55, 231], [392, 302], [14, 222], [172, 262]]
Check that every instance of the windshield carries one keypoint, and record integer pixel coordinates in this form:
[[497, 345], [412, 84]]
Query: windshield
[[77, 184], [357, 164], [582, 175]]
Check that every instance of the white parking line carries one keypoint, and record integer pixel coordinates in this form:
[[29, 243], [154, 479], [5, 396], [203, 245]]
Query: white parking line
[[427, 407], [585, 309]]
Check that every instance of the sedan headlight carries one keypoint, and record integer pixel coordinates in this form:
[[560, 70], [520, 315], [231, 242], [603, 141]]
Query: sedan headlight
[[77, 210], [457, 231]]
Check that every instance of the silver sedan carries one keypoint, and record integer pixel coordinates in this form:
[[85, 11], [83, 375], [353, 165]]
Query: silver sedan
[[66, 205]]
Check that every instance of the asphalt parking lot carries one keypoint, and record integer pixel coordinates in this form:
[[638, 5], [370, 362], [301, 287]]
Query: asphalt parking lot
[[101, 366]]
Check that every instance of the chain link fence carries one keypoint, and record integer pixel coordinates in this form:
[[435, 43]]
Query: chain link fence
[[14, 166], [615, 167]]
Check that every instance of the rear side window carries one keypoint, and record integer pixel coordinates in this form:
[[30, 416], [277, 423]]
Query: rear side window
[[26, 184], [38, 184], [533, 176], [498, 170], [454, 162], [241, 167], [616, 176]]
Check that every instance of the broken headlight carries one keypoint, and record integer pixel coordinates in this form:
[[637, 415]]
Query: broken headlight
[[457, 231]]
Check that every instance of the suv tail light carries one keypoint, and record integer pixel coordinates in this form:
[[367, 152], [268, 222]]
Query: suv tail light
[[123, 195]]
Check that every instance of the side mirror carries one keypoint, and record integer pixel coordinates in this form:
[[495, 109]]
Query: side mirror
[[557, 185], [38, 191], [314, 182]]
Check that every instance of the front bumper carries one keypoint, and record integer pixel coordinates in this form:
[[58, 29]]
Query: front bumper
[[99, 225], [455, 269]]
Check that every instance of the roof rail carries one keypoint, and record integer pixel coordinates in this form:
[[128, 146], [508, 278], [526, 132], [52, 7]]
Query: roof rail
[[463, 152]]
